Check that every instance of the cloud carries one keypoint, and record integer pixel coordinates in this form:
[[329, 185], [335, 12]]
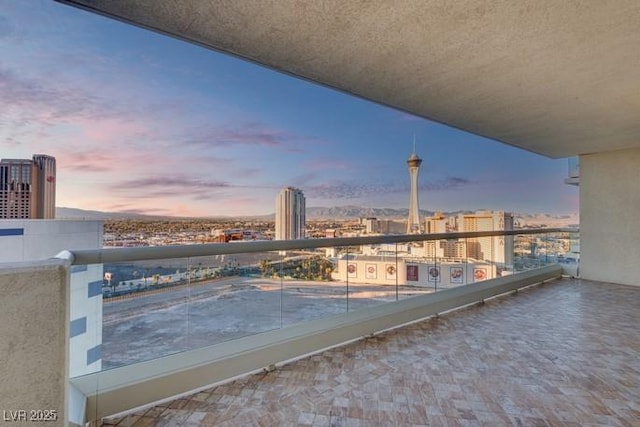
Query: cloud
[[247, 134], [346, 190], [86, 162], [12, 141], [357, 190], [120, 158], [177, 186], [169, 182], [447, 183], [49, 102]]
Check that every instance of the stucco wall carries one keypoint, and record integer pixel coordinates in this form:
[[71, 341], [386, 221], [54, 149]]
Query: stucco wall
[[610, 216], [34, 325]]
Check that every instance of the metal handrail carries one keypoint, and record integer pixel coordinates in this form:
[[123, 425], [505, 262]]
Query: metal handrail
[[109, 255]]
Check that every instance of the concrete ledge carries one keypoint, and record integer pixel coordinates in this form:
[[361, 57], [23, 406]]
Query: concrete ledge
[[34, 325], [132, 386]]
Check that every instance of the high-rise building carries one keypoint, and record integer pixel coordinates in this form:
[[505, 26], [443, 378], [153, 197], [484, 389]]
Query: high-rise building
[[44, 186], [498, 249], [290, 214], [16, 196], [413, 222], [28, 188], [383, 226], [436, 224]]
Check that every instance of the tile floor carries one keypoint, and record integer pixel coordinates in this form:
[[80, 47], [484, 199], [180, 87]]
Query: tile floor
[[566, 353]]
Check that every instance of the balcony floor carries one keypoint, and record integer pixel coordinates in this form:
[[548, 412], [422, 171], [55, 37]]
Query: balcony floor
[[566, 353]]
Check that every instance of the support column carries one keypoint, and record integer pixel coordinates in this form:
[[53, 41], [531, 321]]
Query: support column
[[34, 330], [610, 216]]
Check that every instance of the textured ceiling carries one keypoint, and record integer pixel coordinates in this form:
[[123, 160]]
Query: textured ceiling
[[556, 77]]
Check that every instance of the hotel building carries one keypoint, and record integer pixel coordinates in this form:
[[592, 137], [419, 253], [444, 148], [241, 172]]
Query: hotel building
[[497, 249], [290, 214], [28, 188]]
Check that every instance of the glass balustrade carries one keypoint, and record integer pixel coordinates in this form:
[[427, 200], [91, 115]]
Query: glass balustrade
[[148, 309]]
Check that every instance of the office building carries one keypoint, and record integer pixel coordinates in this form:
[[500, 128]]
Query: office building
[[290, 214], [28, 188]]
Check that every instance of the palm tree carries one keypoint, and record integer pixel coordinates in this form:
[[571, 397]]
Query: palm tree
[[264, 266]]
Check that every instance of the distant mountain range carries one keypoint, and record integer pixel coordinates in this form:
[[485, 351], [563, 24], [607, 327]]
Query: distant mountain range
[[73, 213], [343, 212], [336, 212]]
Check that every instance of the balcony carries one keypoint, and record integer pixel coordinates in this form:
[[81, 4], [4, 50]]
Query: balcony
[[158, 343]]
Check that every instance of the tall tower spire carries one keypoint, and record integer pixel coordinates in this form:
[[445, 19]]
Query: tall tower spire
[[414, 162]]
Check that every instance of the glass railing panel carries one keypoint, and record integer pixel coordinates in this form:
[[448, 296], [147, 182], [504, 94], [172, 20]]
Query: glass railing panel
[[312, 287], [232, 296], [564, 248], [145, 310], [418, 269], [526, 252], [447, 263], [140, 310], [372, 275]]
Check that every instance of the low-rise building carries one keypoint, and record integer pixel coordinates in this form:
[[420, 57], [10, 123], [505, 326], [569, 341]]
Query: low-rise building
[[414, 271]]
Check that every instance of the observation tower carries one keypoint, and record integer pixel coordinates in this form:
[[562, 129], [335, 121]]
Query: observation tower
[[414, 162]]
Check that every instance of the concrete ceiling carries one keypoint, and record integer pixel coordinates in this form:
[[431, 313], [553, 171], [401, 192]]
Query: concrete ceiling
[[556, 77]]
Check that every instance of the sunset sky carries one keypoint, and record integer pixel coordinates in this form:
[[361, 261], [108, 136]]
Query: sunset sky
[[140, 122]]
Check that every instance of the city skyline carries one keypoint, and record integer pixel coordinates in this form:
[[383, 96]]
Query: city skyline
[[143, 123]]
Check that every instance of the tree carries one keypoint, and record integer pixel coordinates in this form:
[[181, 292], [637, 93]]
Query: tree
[[264, 267]]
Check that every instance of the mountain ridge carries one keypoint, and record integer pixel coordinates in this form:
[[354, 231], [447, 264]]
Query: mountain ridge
[[312, 212]]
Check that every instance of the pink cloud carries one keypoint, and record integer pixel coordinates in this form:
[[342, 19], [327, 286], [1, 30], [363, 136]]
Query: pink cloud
[[249, 133], [126, 160], [113, 130]]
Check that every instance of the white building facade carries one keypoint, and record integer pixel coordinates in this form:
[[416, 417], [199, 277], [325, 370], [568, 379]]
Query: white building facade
[[388, 270], [29, 240]]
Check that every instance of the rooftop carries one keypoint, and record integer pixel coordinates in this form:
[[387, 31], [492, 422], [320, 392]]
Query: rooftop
[[562, 353]]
